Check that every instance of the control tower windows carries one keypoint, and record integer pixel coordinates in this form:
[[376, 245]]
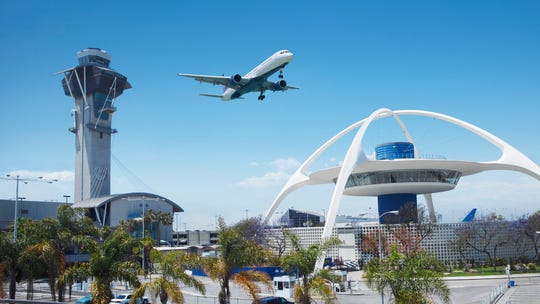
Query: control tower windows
[[102, 106], [94, 59]]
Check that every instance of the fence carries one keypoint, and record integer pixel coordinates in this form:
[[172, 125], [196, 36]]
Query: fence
[[496, 293], [196, 299]]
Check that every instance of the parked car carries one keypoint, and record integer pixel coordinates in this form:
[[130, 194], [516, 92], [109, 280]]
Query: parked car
[[125, 298], [87, 299], [274, 300], [338, 287]]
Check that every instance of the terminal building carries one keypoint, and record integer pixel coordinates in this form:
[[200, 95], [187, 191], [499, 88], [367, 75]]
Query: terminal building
[[440, 242], [34, 210], [296, 218]]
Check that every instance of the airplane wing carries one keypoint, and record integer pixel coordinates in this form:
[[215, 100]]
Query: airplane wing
[[220, 80], [212, 95], [274, 86]]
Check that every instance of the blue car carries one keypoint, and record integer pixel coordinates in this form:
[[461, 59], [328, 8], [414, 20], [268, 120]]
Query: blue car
[[85, 300], [274, 300]]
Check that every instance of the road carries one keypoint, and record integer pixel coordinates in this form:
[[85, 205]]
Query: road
[[464, 290]]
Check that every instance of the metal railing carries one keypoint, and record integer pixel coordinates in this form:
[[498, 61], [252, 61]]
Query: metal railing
[[496, 293], [198, 299]]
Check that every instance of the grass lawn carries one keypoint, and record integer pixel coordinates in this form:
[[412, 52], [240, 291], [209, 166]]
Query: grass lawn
[[486, 271]]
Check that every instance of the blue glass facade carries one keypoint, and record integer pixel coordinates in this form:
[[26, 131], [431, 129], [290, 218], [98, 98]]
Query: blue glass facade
[[396, 202], [394, 150]]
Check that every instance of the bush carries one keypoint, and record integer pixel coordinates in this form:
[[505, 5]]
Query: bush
[[519, 267], [531, 266]]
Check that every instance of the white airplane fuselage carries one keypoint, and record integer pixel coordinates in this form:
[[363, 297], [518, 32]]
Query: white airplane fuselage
[[260, 73]]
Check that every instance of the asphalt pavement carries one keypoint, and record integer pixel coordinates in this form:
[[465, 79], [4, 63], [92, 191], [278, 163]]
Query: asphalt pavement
[[463, 290]]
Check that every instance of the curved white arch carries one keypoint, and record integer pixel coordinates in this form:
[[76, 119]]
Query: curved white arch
[[299, 178], [511, 159]]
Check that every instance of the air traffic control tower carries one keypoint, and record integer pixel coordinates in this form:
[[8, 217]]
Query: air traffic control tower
[[94, 87]]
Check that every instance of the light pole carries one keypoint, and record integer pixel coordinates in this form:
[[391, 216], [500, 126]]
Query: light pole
[[380, 247], [67, 196], [143, 249], [18, 179]]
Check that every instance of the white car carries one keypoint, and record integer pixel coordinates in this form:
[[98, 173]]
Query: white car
[[125, 298]]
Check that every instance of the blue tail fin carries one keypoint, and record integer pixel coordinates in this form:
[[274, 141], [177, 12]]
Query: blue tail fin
[[469, 217]]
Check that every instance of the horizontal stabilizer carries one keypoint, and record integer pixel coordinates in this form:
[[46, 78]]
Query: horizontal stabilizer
[[212, 95]]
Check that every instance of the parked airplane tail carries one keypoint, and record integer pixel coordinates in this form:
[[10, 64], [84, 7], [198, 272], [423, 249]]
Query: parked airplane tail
[[469, 217]]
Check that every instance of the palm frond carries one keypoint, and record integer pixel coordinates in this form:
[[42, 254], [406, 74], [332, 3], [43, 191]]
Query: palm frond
[[247, 279]]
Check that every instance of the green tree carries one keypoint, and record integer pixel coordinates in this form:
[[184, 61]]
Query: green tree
[[114, 259], [414, 278], [235, 252], [486, 235], [31, 265], [10, 251], [15, 258], [165, 219], [70, 229], [302, 261], [172, 267], [531, 227]]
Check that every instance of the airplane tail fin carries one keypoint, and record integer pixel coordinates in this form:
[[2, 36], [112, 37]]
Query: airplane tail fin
[[469, 217]]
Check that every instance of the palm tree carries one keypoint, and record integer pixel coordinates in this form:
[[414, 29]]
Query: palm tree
[[172, 267], [51, 252], [114, 259], [29, 260], [10, 250], [3, 267], [235, 252], [159, 217], [56, 236], [412, 278], [165, 219], [302, 261]]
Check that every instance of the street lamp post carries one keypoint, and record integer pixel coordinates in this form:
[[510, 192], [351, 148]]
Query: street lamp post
[[380, 247], [143, 249], [18, 179], [67, 196]]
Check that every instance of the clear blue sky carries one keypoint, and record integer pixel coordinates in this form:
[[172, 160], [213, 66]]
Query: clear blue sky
[[478, 61]]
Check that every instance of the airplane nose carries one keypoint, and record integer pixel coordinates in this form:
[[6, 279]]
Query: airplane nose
[[289, 56]]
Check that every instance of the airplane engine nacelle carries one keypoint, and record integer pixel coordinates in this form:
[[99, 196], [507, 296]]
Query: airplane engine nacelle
[[235, 79], [280, 85]]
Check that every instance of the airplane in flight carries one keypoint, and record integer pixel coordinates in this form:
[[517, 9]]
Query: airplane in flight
[[255, 81]]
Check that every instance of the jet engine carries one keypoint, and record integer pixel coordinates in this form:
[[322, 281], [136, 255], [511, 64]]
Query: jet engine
[[280, 85], [235, 79]]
